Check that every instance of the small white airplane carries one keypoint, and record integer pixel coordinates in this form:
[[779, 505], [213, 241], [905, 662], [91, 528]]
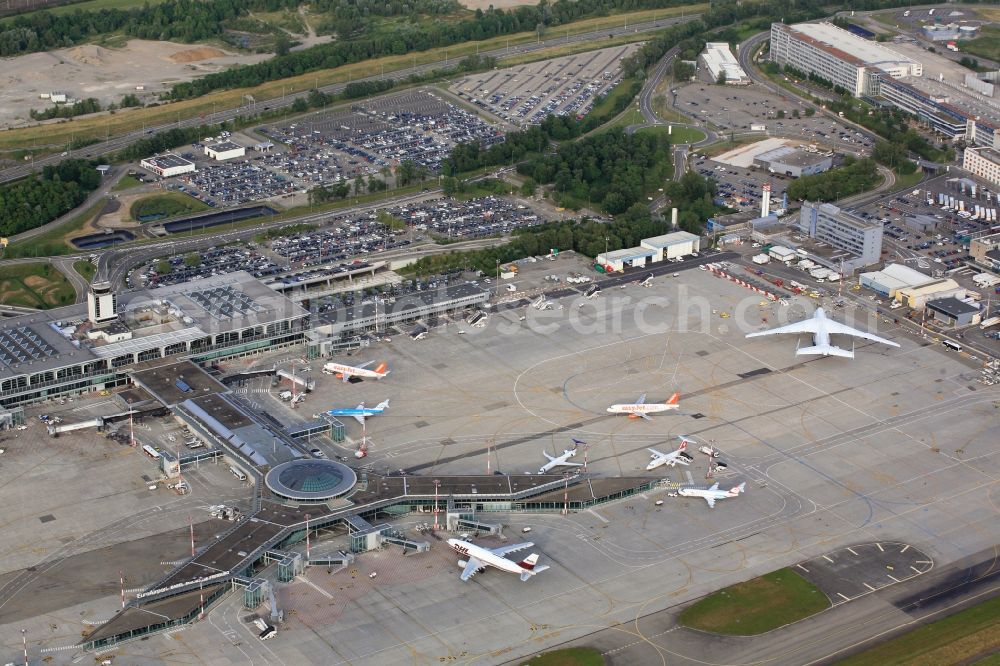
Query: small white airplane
[[345, 372], [360, 413], [821, 328], [642, 409], [480, 558], [712, 494], [561, 461], [669, 459]]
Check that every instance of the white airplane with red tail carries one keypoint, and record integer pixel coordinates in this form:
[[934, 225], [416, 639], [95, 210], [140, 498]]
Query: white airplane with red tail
[[669, 459], [479, 558]]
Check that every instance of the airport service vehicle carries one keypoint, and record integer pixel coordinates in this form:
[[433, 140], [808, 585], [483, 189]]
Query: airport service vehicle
[[542, 303], [480, 558], [670, 459], [360, 413], [345, 372], [821, 329], [648, 282], [642, 409], [708, 451], [711, 495]]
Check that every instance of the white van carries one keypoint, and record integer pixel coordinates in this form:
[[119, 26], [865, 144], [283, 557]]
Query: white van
[[237, 473]]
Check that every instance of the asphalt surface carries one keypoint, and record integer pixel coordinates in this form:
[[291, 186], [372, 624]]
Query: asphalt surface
[[117, 143]]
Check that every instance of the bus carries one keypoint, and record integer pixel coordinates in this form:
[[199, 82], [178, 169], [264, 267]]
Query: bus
[[150, 451], [954, 346]]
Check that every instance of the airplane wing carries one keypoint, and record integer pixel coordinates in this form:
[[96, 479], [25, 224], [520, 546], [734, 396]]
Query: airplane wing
[[711, 505], [512, 548], [641, 400], [359, 418], [546, 454], [645, 416], [715, 486], [365, 364], [804, 326], [657, 454], [843, 329], [472, 567], [568, 464], [346, 377]]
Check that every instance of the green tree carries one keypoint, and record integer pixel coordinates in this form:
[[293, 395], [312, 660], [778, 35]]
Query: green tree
[[192, 260], [721, 78]]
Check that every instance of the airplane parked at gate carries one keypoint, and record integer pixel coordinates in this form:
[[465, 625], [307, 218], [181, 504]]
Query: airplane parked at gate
[[712, 494], [669, 459], [561, 461], [821, 328], [345, 372], [480, 558], [360, 413], [642, 409]]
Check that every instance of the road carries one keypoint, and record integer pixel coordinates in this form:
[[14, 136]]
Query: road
[[114, 144]]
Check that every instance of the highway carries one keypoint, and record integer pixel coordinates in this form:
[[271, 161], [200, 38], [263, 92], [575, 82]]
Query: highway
[[114, 144]]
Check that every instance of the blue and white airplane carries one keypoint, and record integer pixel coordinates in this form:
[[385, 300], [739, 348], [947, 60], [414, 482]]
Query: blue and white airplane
[[360, 413]]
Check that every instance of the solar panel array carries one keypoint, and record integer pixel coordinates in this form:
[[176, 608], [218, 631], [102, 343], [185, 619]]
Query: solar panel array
[[225, 302], [23, 344]]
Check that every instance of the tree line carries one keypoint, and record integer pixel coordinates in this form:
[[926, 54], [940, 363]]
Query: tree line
[[39, 199], [854, 177], [84, 106]]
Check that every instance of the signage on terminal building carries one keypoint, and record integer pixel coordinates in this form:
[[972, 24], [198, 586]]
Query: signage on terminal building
[[176, 586]]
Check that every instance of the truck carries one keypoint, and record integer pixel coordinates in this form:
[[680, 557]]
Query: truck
[[285, 395]]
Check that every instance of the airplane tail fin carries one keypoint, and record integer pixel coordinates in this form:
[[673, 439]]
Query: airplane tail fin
[[383, 405], [684, 444], [736, 490], [382, 368], [674, 399], [824, 350], [529, 562]]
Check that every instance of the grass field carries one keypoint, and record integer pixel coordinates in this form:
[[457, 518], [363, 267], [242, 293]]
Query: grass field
[[126, 183], [56, 136], [568, 657], [86, 269], [53, 242], [679, 134], [756, 606], [573, 49], [89, 6], [963, 638], [987, 45], [162, 206], [37, 285]]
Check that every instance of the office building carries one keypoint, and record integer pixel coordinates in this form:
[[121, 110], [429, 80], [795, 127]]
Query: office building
[[837, 55], [984, 163], [831, 225], [718, 59]]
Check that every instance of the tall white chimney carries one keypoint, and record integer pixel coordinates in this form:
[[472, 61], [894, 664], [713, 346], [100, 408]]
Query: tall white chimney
[[765, 201]]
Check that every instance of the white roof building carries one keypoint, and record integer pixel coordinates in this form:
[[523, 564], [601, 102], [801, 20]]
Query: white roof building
[[893, 278], [717, 58]]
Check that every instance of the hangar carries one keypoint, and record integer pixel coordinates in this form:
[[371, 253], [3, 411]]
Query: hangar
[[892, 278], [673, 245], [629, 257]]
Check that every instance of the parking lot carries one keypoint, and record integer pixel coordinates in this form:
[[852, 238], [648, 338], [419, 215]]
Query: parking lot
[[741, 188], [418, 125], [184, 268], [524, 95], [731, 108], [945, 246]]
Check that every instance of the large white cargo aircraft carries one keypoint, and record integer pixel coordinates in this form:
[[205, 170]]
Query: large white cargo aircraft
[[821, 329], [479, 558], [642, 409], [712, 494]]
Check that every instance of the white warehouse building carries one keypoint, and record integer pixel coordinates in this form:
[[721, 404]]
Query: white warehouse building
[[673, 245], [167, 165], [225, 150], [837, 55], [718, 59]]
